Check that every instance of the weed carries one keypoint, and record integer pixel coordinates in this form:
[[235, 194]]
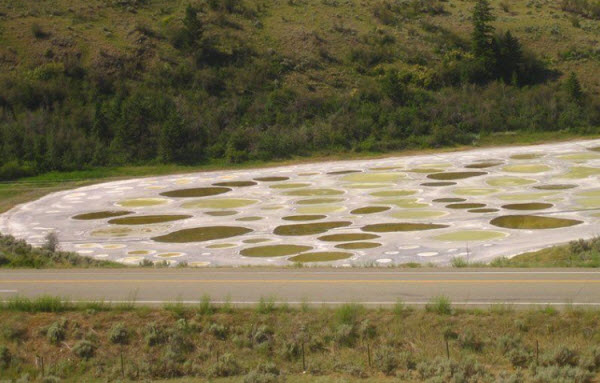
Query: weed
[[227, 365], [56, 332], [205, 307], [265, 305], [119, 334], [348, 313], [84, 349], [5, 357], [440, 305]]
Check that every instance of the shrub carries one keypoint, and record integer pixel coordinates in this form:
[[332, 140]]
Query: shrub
[[205, 307], [5, 357], [56, 332], [348, 313], [14, 332], [445, 370], [226, 366], [218, 331], [119, 334], [154, 335], [439, 305], [50, 379], [386, 360], [37, 31], [264, 373], [469, 340], [265, 305], [591, 360], [459, 262], [519, 357], [345, 335], [561, 356], [564, 374], [84, 349]]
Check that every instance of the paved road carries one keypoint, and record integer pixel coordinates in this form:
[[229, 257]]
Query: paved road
[[331, 286]]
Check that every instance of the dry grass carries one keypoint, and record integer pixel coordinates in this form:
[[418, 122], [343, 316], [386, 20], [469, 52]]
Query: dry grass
[[335, 340]]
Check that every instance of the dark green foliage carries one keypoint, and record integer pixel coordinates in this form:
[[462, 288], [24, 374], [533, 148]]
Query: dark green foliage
[[17, 253], [84, 349], [217, 95], [264, 373], [227, 365], [573, 88], [119, 334], [5, 357], [482, 32], [56, 332], [585, 8]]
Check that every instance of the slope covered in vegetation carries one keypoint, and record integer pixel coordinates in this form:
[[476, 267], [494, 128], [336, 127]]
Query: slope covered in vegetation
[[113, 82]]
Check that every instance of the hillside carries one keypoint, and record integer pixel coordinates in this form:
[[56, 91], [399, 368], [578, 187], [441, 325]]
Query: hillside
[[115, 82]]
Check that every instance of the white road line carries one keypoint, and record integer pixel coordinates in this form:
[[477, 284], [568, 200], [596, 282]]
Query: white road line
[[8, 291], [313, 303], [340, 273]]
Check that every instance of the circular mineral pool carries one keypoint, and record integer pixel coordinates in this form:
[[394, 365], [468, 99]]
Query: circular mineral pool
[[509, 181], [418, 214], [195, 192], [101, 215], [236, 184], [374, 177], [201, 234], [370, 210], [357, 245], [324, 256], [147, 219], [347, 237], [274, 250], [527, 168], [309, 228], [305, 217], [271, 179], [532, 222], [528, 206], [219, 203], [400, 227], [455, 175], [143, 202], [470, 235]]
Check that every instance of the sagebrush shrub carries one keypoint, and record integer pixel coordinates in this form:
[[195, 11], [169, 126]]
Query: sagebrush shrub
[[84, 349], [119, 334]]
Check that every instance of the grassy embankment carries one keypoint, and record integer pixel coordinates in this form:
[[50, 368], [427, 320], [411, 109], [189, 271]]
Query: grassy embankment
[[96, 342]]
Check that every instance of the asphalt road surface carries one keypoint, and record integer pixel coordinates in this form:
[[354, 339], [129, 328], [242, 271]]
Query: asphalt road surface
[[314, 286]]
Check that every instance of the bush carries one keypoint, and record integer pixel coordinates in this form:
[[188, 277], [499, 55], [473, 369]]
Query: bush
[[345, 335], [561, 356], [439, 305], [265, 305], [56, 332], [119, 334], [5, 357], [264, 373], [84, 349], [591, 360], [348, 313], [226, 366], [37, 31], [154, 335], [565, 374], [469, 340], [386, 360], [444, 370], [218, 331]]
